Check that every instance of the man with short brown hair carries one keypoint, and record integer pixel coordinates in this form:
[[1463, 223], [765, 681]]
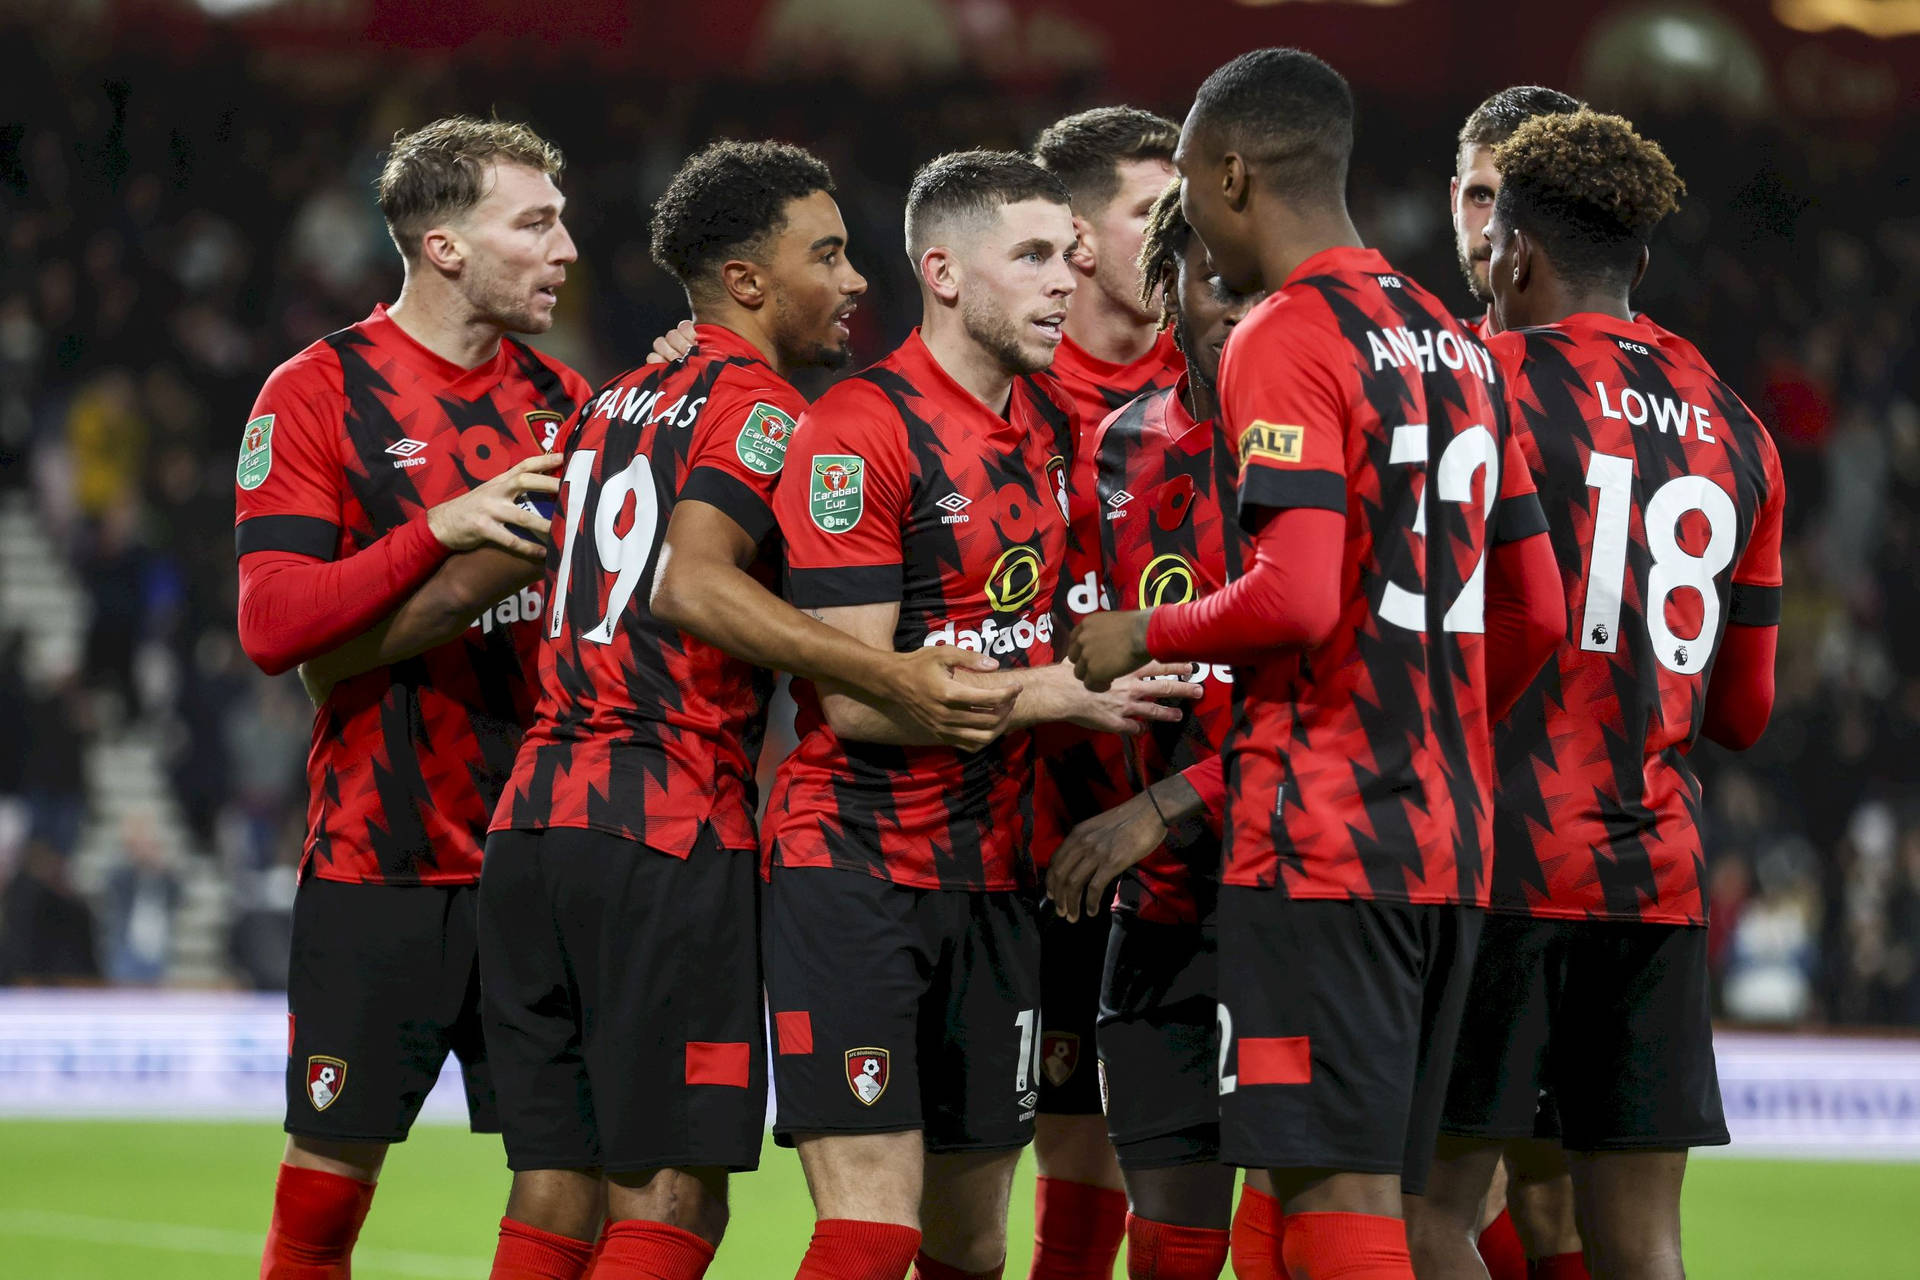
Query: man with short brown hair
[[381, 512]]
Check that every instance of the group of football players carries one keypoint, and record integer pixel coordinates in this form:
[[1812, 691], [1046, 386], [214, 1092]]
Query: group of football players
[[1243, 710]]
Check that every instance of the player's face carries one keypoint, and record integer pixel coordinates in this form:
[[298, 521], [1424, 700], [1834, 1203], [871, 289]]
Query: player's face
[[1015, 283], [1474, 188], [814, 288], [517, 249], [1205, 314], [1118, 230], [1202, 163]]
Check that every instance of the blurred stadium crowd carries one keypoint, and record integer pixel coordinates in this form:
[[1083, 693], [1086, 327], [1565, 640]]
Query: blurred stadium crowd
[[171, 232]]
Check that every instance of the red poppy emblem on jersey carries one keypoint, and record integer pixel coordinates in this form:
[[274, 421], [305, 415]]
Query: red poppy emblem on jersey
[[1059, 1056], [1019, 514], [1172, 501], [867, 1072], [326, 1079]]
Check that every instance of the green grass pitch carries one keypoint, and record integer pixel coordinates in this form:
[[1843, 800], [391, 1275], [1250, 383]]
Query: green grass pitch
[[93, 1200]]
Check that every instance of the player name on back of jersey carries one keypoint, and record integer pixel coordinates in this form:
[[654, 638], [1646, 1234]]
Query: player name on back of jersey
[[1639, 408], [1427, 349], [644, 405]]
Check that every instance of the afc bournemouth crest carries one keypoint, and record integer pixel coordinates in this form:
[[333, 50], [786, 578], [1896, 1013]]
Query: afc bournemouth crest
[[326, 1077], [1057, 478], [1059, 1056], [545, 425], [867, 1072]]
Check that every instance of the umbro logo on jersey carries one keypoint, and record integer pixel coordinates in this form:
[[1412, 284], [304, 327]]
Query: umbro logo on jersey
[[404, 449], [1118, 502], [954, 504]]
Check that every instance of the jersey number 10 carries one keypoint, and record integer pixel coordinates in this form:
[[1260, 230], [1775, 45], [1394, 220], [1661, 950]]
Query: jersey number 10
[[623, 555]]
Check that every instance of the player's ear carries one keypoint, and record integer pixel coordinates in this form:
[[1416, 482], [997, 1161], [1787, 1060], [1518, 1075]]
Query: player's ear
[[1082, 256], [1234, 181], [1640, 269], [940, 272], [1453, 194], [440, 248], [745, 283], [1522, 259]]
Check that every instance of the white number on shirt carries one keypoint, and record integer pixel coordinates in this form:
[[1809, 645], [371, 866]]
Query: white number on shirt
[[1468, 453], [624, 555]]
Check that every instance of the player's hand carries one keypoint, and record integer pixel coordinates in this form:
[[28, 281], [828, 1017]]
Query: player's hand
[[930, 685], [491, 515], [1097, 851], [672, 345], [1151, 693], [1108, 645]]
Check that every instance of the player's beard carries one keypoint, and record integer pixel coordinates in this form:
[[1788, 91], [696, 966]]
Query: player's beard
[[1190, 348], [799, 338], [504, 299], [998, 334], [1481, 293]]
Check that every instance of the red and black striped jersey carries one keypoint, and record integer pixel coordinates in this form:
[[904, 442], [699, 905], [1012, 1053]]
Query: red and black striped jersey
[[357, 435], [1083, 773], [1364, 767], [642, 731], [907, 488], [1663, 497], [1167, 533]]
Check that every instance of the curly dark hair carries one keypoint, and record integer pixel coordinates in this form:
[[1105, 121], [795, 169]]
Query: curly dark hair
[[1287, 111], [1086, 149], [1163, 245], [972, 184], [1589, 188], [1494, 120], [729, 199]]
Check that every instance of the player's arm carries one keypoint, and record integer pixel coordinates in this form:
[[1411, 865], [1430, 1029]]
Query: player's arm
[[445, 605], [1740, 693], [1526, 604], [702, 587], [1293, 493], [295, 607]]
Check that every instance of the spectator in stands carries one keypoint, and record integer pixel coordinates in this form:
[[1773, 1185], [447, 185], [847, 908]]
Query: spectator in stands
[[142, 895], [46, 929]]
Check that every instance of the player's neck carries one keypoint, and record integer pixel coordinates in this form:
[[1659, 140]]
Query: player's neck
[[965, 361], [746, 324], [1198, 397], [440, 320], [1291, 237], [1105, 331], [1549, 300]]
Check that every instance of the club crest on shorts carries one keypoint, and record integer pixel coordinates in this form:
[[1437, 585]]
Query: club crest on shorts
[[867, 1073], [326, 1077], [1059, 1056]]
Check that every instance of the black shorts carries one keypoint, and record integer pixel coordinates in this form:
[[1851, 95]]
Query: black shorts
[[623, 1001], [1160, 1043], [1611, 1019], [382, 984], [1341, 1018], [898, 1008], [1072, 953]]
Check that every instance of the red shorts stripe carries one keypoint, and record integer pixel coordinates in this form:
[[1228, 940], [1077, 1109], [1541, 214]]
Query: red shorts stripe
[[726, 1064], [794, 1030], [1275, 1060]]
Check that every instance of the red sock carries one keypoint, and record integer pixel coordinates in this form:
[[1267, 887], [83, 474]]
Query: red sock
[[636, 1249], [1077, 1230], [1258, 1224], [316, 1219], [849, 1249], [1561, 1266], [1501, 1250], [1346, 1246], [528, 1253], [925, 1268], [1163, 1251]]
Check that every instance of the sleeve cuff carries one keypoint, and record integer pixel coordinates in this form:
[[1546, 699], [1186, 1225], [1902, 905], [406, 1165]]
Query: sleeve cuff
[[843, 586], [1754, 606], [1273, 489], [733, 497], [1519, 519], [301, 535]]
